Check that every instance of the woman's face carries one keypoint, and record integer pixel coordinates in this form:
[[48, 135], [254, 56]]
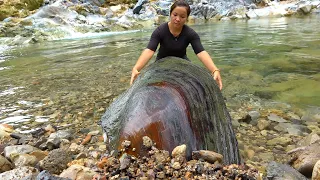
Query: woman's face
[[178, 16]]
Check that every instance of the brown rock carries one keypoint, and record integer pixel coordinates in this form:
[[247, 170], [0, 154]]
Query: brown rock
[[77, 172], [179, 151], [5, 165], [25, 160], [39, 154], [208, 156], [188, 175], [304, 159], [86, 139]]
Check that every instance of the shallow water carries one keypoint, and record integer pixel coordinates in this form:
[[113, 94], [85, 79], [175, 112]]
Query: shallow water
[[72, 81]]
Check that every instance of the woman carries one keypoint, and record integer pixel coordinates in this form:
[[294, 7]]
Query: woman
[[174, 37]]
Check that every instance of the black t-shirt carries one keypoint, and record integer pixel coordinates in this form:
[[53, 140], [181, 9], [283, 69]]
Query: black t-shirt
[[174, 46]]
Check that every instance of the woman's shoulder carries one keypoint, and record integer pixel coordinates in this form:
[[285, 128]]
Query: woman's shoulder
[[189, 30], [163, 25], [162, 28]]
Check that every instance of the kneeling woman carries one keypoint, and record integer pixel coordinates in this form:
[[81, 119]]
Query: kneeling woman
[[174, 38]]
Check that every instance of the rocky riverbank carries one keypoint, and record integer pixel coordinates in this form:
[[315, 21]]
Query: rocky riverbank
[[37, 21], [64, 156], [273, 141]]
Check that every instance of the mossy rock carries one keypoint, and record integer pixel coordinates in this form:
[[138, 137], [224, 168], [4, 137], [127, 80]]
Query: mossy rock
[[7, 12], [113, 3], [32, 4], [18, 8]]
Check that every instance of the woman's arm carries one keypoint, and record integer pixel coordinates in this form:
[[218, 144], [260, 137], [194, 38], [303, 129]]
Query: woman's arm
[[207, 61], [144, 58]]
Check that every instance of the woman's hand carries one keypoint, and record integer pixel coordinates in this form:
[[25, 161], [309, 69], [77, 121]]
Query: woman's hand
[[134, 75], [217, 77], [145, 56]]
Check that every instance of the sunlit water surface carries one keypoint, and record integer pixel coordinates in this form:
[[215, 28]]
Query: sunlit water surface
[[72, 81]]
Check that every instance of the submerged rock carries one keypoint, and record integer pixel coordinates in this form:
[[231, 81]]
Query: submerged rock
[[173, 102], [282, 171]]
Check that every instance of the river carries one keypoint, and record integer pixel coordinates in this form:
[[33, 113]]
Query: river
[[72, 81]]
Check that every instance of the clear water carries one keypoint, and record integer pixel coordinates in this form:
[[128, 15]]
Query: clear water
[[72, 81]]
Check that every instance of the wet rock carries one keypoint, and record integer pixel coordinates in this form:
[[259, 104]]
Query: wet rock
[[249, 153], [45, 175], [306, 8], [64, 144], [316, 171], [176, 165], [107, 162], [18, 149], [25, 160], [310, 139], [312, 115], [19, 173], [56, 161], [304, 159], [50, 128], [7, 128], [4, 134], [137, 8], [39, 154], [86, 139], [81, 156], [75, 148], [292, 129], [95, 154], [77, 172], [61, 135], [52, 144], [39, 143], [17, 135], [125, 161], [125, 144], [38, 133], [279, 141], [147, 142], [264, 133], [254, 115], [5, 165], [208, 156], [161, 156], [266, 157], [94, 133], [284, 172], [276, 118], [263, 124], [161, 175], [179, 151]]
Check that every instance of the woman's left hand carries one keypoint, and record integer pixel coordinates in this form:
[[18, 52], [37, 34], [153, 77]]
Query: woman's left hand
[[217, 77]]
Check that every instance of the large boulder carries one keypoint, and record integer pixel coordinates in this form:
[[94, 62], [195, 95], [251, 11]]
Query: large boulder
[[304, 159]]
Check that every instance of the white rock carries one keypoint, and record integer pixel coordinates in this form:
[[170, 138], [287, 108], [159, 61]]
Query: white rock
[[316, 171], [179, 151], [19, 173], [77, 172]]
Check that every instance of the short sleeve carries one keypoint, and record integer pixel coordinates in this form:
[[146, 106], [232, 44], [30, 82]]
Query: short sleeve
[[195, 42], [154, 40]]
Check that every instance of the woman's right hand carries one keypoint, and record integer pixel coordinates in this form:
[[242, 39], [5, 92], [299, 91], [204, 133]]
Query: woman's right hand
[[134, 75]]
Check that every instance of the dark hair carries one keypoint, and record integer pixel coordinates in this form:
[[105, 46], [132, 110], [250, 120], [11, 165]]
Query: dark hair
[[180, 3]]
